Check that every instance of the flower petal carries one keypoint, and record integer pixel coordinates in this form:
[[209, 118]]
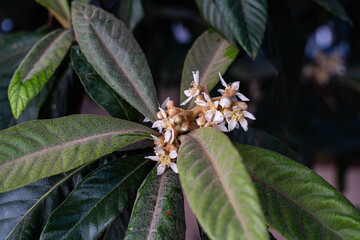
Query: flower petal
[[186, 101], [216, 104], [163, 113], [159, 151], [207, 98], [167, 136], [244, 124], [196, 76], [154, 158], [222, 128], [146, 120], [222, 81], [187, 93], [221, 91], [163, 105], [232, 125], [173, 154], [154, 137], [174, 167], [172, 135], [160, 169], [249, 115], [242, 97], [228, 114], [208, 117], [218, 117], [200, 103], [235, 85], [157, 124], [225, 102]]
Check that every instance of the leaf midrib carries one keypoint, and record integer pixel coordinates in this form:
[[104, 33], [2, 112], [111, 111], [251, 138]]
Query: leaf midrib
[[116, 60], [227, 191]]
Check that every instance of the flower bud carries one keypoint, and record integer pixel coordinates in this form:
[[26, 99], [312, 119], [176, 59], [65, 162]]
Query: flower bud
[[170, 104], [243, 105], [200, 97], [201, 121], [184, 127], [159, 115], [177, 119], [173, 111]]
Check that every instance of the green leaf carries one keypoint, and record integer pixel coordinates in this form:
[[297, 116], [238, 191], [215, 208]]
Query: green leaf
[[118, 227], [335, 8], [37, 149], [99, 90], [13, 48], [131, 12], [114, 53], [82, 1], [298, 203], [60, 9], [218, 188], [37, 68], [159, 209], [210, 54], [244, 20], [262, 139], [24, 211], [97, 200]]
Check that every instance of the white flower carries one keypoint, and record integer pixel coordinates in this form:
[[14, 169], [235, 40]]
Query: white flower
[[225, 102], [158, 141], [210, 109], [221, 127], [166, 123], [194, 90], [237, 116], [164, 160], [146, 119], [234, 87]]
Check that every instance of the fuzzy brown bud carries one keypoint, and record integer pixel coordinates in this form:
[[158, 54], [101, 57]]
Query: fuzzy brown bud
[[201, 121], [200, 97], [243, 105], [159, 115], [170, 104], [177, 119], [184, 127], [173, 111]]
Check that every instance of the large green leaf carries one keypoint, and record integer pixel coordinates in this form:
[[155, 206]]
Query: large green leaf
[[97, 200], [218, 188], [99, 90], [164, 217], [334, 7], [24, 211], [114, 53], [210, 54], [244, 20], [60, 9], [34, 150], [118, 227], [37, 68], [13, 48], [131, 12], [298, 203]]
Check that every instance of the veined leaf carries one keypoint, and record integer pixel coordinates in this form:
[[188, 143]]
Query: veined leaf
[[118, 227], [82, 1], [38, 149], [60, 9], [24, 211], [164, 216], [244, 19], [298, 203], [131, 12], [335, 8], [97, 200], [37, 68], [210, 54], [13, 48], [99, 90], [218, 188], [114, 53]]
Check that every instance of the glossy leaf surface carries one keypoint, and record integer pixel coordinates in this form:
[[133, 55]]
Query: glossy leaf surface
[[34, 150], [37, 68], [218, 188], [99, 90], [97, 200], [210, 54], [114, 53], [60, 9], [297, 202], [334, 7], [118, 227], [159, 209]]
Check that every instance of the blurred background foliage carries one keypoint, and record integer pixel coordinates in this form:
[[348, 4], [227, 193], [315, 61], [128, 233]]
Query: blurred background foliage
[[304, 85]]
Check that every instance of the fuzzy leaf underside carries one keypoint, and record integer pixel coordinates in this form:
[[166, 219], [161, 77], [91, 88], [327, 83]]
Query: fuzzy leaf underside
[[218, 188], [116, 56], [38, 149]]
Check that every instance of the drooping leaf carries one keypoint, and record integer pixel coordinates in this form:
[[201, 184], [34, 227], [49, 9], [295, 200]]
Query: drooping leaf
[[97, 200], [131, 12], [37, 68], [210, 54], [24, 211], [218, 188], [38, 149], [99, 90], [13, 48], [116, 56], [244, 20], [60, 9], [164, 217], [297, 202], [118, 227], [262, 139], [334, 7]]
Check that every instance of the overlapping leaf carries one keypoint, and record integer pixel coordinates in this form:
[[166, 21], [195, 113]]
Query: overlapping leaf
[[210, 54], [99, 90], [24, 211], [97, 200], [243, 20], [118, 227], [116, 56], [218, 188], [131, 12], [334, 7], [34, 150], [37, 68], [164, 217], [60, 9], [298, 203]]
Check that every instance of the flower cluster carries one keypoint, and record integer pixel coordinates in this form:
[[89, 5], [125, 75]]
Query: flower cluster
[[208, 112]]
